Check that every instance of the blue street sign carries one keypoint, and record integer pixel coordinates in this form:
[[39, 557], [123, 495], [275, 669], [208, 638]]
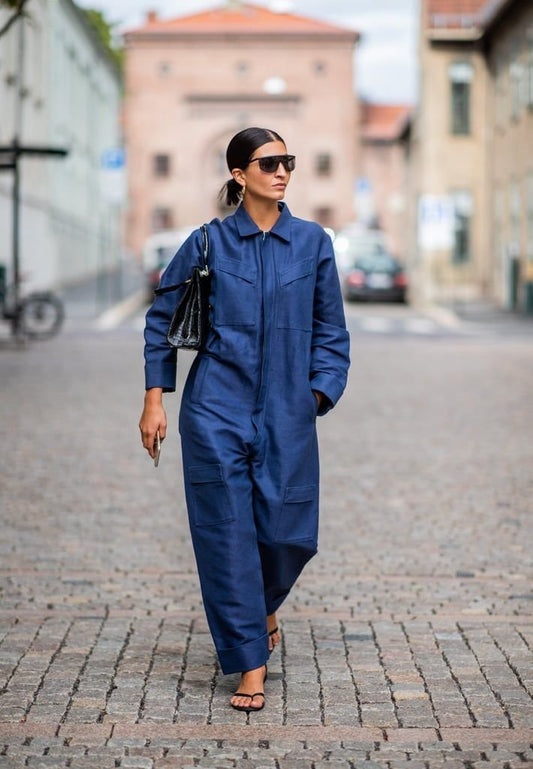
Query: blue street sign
[[113, 158]]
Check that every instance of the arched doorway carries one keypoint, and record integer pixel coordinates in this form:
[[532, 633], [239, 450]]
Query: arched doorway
[[216, 171]]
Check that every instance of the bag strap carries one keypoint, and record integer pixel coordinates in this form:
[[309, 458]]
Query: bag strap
[[205, 254], [205, 241]]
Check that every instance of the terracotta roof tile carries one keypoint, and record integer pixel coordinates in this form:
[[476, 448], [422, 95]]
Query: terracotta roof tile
[[384, 122], [244, 18], [453, 14]]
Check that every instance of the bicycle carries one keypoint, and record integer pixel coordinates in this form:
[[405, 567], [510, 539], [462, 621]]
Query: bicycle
[[38, 315]]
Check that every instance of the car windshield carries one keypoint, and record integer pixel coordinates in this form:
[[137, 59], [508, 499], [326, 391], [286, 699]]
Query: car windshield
[[350, 249], [164, 255], [375, 262]]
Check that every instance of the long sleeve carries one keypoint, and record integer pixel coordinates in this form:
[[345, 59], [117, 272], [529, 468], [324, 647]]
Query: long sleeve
[[330, 347], [159, 357]]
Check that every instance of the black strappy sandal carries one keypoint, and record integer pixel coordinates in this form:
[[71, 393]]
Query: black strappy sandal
[[270, 634], [248, 708]]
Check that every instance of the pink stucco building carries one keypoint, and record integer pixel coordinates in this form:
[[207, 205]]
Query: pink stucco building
[[193, 82], [383, 166]]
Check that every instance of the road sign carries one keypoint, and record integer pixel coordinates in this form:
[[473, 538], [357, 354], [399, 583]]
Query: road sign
[[436, 222], [113, 158]]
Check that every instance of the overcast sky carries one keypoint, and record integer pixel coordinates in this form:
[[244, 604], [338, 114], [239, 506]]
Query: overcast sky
[[386, 56]]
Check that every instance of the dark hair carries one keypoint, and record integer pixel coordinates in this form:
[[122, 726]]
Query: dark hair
[[240, 150]]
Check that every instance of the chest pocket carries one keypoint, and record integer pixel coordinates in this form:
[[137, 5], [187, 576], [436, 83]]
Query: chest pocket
[[235, 300], [296, 294]]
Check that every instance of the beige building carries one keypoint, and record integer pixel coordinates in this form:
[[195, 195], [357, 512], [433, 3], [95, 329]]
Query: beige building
[[472, 150], [509, 54], [193, 82], [382, 180]]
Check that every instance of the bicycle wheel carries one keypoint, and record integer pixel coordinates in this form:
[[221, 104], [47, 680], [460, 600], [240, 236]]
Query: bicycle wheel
[[42, 315]]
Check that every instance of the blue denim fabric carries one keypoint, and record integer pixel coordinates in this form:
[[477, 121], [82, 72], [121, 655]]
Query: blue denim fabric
[[248, 413]]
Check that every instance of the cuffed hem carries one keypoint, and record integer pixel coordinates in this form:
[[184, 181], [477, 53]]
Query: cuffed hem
[[161, 376], [247, 656], [332, 389]]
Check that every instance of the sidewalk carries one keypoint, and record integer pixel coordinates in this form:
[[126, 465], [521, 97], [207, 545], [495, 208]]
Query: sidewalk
[[482, 316], [407, 641], [104, 300]]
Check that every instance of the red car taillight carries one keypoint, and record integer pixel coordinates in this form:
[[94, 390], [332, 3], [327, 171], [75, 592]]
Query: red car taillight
[[356, 278], [400, 280]]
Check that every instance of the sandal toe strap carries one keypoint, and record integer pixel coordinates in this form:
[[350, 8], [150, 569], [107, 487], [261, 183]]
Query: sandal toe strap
[[251, 696]]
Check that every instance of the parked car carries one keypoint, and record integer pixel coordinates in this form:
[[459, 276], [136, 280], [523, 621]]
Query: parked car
[[367, 270], [158, 250]]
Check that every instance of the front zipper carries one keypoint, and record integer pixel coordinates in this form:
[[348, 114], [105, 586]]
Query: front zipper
[[263, 319]]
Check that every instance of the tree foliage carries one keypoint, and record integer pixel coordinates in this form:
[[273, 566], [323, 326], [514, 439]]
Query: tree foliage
[[103, 28], [105, 31]]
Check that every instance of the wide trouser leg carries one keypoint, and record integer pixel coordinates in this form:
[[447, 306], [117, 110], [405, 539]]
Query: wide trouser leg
[[282, 564], [286, 493], [253, 513], [218, 489]]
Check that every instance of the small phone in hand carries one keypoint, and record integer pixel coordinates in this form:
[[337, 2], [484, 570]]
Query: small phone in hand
[[157, 449]]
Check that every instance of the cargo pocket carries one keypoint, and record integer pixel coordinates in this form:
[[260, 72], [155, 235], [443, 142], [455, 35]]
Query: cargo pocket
[[209, 496], [235, 293], [299, 514], [296, 296]]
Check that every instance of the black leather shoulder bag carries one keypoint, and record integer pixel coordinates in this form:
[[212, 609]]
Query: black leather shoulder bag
[[190, 321]]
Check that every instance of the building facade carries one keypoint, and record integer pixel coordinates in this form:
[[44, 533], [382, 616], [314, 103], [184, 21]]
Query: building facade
[[60, 88], [508, 43], [472, 150], [193, 82], [383, 165]]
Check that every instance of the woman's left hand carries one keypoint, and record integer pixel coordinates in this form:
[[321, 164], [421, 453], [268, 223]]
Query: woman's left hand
[[319, 397]]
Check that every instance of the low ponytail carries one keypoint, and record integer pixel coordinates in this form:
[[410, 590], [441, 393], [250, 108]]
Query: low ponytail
[[231, 192]]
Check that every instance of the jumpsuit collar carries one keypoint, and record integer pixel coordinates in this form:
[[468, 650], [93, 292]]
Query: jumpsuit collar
[[246, 226]]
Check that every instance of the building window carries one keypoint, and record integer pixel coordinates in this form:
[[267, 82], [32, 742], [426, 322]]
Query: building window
[[161, 165], [221, 167], [460, 74], [323, 164], [529, 96], [515, 212], [516, 74], [501, 90], [530, 217], [161, 219], [462, 207], [498, 225]]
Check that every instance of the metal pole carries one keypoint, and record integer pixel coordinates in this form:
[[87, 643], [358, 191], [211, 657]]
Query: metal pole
[[19, 93], [16, 241], [17, 139]]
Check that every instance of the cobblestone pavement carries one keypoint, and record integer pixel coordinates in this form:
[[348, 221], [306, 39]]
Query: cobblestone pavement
[[407, 641]]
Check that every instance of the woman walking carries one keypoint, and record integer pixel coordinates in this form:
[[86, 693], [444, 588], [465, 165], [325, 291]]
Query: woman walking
[[276, 356]]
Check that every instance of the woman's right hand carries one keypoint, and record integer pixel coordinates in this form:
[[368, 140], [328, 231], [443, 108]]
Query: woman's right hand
[[153, 419]]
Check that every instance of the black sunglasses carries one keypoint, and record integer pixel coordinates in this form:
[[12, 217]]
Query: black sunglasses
[[270, 163]]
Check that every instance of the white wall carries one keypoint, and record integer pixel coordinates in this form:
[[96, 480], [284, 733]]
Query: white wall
[[68, 229]]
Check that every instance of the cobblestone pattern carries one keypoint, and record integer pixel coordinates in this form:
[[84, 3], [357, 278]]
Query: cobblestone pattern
[[327, 672], [270, 752], [407, 640]]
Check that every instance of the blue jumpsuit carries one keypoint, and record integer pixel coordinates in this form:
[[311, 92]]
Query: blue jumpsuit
[[247, 417]]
